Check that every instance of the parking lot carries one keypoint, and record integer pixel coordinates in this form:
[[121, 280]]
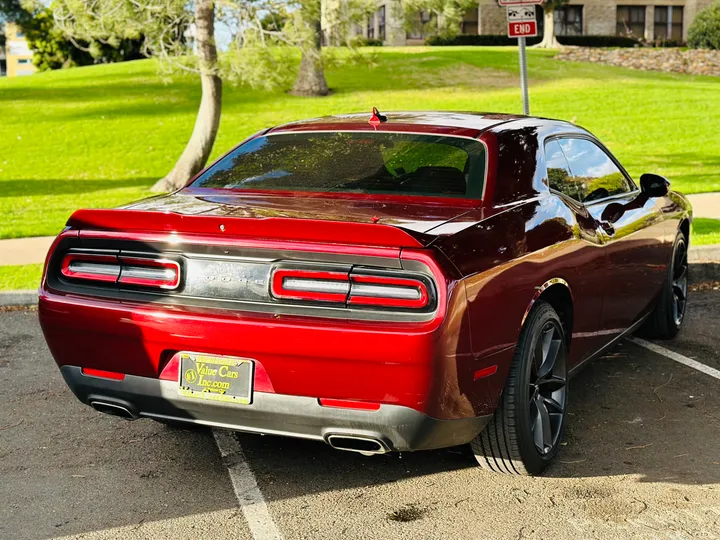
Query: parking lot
[[640, 460]]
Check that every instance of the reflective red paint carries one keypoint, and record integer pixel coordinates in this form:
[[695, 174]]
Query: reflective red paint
[[101, 373], [488, 258], [347, 404]]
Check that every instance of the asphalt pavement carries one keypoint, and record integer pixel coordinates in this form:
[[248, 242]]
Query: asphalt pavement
[[640, 460]]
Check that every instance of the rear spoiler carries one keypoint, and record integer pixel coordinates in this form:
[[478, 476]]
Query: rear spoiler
[[307, 230]]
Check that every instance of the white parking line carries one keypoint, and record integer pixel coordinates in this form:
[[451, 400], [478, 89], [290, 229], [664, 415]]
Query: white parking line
[[677, 357], [248, 494]]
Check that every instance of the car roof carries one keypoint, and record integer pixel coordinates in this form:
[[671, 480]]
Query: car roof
[[469, 124]]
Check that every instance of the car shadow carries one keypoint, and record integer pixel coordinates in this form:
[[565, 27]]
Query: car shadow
[[633, 413]]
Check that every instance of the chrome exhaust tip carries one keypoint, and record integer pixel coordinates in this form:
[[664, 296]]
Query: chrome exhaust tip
[[113, 409], [366, 446]]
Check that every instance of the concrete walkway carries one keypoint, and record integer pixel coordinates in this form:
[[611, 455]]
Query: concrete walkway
[[33, 250], [24, 250], [706, 205]]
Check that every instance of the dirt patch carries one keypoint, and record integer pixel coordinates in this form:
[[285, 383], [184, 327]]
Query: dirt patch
[[463, 75], [407, 514]]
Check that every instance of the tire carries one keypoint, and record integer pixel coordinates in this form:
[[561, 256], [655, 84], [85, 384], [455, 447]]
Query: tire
[[665, 320], [508, 443]]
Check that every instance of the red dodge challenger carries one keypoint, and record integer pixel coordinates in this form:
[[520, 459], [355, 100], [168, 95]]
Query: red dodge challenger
[[389, 283]]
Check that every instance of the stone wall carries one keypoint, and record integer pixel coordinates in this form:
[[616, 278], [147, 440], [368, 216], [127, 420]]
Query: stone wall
[[695, 62]]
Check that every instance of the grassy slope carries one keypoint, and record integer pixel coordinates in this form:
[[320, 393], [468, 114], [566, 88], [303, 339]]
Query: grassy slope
[[20, 278], [100, 136]]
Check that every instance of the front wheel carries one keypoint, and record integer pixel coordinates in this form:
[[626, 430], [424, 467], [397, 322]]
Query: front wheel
[[525, 432], [667, 317]]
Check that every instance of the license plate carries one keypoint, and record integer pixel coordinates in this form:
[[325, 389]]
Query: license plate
[[216, 378]]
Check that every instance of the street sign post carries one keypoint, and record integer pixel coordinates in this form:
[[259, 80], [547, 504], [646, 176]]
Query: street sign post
[[522, 24]]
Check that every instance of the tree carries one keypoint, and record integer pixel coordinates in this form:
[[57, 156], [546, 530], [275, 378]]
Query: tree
[[704, 32], [445, 15], [311, 76], [549, 40], [53, 50], [260, 55]]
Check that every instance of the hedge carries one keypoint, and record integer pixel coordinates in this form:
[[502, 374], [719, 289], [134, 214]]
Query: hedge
[[704, 32], [497, 40]]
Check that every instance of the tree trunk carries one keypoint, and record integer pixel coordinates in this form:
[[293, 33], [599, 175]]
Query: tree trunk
[[198, 149], [549, 41], [311, 77]]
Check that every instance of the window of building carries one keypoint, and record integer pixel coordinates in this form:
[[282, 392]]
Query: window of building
[[23, 61], [371, 27], [668, 22], [631, 21], [19, 34], [381, 23], [469, 24], [593, 174], [568, 21]]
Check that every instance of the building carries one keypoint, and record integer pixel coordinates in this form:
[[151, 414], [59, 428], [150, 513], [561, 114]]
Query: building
[[647, 19], [18, 56]]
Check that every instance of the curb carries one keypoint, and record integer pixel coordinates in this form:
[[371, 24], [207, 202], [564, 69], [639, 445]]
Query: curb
[[705, 254], [18, 298]]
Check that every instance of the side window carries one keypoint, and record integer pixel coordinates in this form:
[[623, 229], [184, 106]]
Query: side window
[[594, 174], [558, 171]]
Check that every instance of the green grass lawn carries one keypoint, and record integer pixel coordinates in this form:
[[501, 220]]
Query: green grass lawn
[[20, 278], [101, 135], [705, 231]]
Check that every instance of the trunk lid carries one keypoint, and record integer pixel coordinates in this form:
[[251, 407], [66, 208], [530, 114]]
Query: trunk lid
[[361, 220]]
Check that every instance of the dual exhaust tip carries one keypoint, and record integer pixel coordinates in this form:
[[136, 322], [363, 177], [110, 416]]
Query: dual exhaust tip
[[367, 446], [352, 443], [113, 409]]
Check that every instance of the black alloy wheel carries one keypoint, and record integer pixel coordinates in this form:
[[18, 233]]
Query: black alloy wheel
[[665, 320], [680, 281], [547, 388], [525, 433]]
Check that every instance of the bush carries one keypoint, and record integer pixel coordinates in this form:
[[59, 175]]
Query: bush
[[366, 42], [704, 32], [499, 40], [468, 39], [599, 41]]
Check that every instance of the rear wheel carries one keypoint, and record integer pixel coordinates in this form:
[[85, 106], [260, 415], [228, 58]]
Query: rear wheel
[[525, 432], [667, 317]]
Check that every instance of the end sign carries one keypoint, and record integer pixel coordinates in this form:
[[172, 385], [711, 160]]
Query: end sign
[[521, 21]]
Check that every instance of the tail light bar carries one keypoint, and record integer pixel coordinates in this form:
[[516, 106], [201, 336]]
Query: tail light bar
[[91, 267], [387, 291], [160, 273], [144, 272], [348, 288], [310, 285]]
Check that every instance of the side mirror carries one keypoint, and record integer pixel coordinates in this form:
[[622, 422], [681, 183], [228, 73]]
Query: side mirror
[[654, 185]]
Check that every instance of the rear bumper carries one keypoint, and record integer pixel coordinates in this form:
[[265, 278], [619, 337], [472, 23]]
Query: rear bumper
[[398, 428]]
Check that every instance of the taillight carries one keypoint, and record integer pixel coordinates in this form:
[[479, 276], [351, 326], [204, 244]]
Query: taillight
[[350, 288], [144, 272], [318, 286], [160, 273], [91, 267], [387, 291]]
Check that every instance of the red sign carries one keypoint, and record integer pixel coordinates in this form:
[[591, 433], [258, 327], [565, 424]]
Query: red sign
[[522, 29]]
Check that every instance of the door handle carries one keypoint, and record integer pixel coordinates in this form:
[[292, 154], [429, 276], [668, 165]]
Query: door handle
[[607, 227]]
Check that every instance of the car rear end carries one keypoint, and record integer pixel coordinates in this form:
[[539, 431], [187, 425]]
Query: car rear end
[[342, 331]]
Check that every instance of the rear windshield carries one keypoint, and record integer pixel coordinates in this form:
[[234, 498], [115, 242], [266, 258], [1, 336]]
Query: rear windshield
[[353, 162]]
